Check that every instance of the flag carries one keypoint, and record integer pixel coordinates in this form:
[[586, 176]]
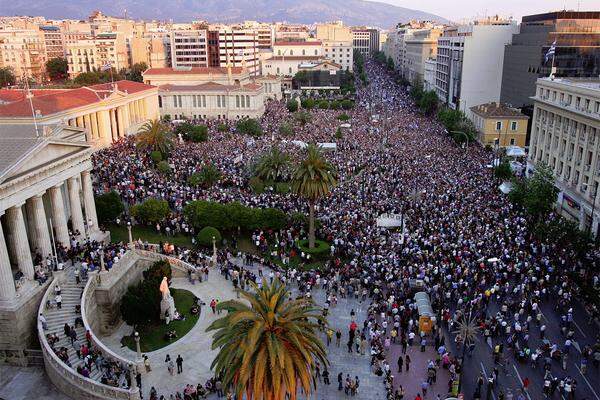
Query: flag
[[106, 67], [551, 51]]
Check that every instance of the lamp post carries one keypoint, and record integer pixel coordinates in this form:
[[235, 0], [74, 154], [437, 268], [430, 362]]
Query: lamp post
[[214, 257], [136, 336], [129, 232], [102, 267]]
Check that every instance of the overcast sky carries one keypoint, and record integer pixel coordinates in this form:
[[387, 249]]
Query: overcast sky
[[458, 9]]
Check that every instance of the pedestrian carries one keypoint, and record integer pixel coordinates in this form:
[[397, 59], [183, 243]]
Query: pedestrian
[[338, 337], [340, 381], [400, 362], [326, 377], [179, 362], [407, 362]]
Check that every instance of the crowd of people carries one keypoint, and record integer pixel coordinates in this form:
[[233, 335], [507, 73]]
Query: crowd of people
[[472, 248]]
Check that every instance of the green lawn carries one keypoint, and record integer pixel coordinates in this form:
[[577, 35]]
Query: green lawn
[[152, 337], [119, 234]]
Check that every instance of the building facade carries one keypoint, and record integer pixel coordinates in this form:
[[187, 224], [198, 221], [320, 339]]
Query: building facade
[[499, 125], [107, 112], [365, 40], [577, 36], [565, 135], [189, 48], [23, 50], [239, 47], [53, 41], [421, 45]]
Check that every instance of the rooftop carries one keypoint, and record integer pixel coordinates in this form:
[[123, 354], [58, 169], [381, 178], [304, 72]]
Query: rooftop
[[497, 110], [56, 101], [294, 58], [297, 43], [210, 86], [192, 71], [584, 83]]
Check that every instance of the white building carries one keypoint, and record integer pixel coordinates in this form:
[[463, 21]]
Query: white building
[[474, 72], [420, 46], [288, 55], [240, 47], [340, 53], [429, 66], [189, 48], [565, 135]]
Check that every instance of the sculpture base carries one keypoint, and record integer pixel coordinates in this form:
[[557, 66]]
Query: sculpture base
[[167, 309]]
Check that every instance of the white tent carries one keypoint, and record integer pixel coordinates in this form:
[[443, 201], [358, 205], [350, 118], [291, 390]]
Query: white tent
[[346, 125], [515, 151], [327, 146], [389, 221], [506, 187]]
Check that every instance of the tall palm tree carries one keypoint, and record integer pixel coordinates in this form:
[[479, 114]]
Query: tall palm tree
[[269, 348], [313, 179], [272, 165], [154, 135]]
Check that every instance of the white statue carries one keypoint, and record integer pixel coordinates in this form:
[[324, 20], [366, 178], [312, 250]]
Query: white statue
[[167, 304], [180, 138]]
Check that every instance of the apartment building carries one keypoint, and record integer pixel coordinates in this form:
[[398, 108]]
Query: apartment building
[[499, 125], [23, 50], [565, 135], [291, 32], [420, 45], [337, 43], [577, 37], [53, 41], [189, 48], [239, 46], [470, 62], [151, 49], [429, 67], [365, 40]]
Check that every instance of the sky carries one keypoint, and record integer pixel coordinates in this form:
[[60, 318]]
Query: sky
[[456, 10]]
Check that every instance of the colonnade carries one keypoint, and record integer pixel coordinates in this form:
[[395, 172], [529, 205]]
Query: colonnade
[[31, 231]]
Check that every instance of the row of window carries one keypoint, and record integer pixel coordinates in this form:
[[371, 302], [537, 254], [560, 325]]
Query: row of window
[[565, 99], [199, 101]]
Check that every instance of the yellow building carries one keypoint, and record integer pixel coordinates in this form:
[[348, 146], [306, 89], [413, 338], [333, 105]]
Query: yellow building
[[24, 51], [499, 124]]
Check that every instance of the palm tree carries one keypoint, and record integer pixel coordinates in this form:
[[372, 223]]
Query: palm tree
[[155, 136], [272, 165], [313, 179], [269, 348]]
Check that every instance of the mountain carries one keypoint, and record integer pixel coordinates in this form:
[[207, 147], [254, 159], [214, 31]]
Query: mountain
[[352, 12]]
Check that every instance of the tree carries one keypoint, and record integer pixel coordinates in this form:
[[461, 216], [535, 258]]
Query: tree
[[503, 171], [273, 165], [209, 175], [135, 74], [428, 102], [206, 235], [249, 126], [537, 194], [285, 129], [347, 104], [390, 63], [87, 79], [109, 206], [7, 77], [155, 136], [57, 68], [164, 167], [308, 103], [302, 117], [313, 179], [269, 348], [292, 105], [141, 302], [151, 211]]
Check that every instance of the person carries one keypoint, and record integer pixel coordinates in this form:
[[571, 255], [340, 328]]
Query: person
[[179, 362], [326, 377], [329, 336], [147, 363], [338, 337], [171, 367], [340, 380], [400, 362], [43, 321], [407, 362], [58, 301]]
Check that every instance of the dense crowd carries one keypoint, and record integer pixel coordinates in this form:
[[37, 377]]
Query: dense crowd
[[465, 241]]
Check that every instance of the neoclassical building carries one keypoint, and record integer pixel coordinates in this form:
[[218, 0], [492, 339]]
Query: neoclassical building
[[107, 111], [45, 187]]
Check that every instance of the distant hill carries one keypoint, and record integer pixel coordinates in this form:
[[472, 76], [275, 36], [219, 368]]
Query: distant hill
[[352, 12]]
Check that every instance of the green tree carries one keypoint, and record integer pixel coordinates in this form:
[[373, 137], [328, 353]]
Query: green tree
[[155, 136], [286, 129], [109, 206], [503, 171], [416, 90], [206, 235], [428, 102], [7, 77], [151, 211], [141, 302], [313, 178], [57, 68], [87, 79], [347, 104], [164, 167], [249, 126], [308, 103], [273, 165], [323, 104], [292, 105], [302, 117], [135, 73], [390, 63], [537, 194], [268, 347]]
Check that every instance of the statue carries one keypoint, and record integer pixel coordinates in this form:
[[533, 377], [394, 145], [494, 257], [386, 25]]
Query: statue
[[167, 304]]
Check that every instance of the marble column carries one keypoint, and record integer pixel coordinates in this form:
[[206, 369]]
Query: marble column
[[16, 225], [79, 122], [136, 105], [94, 129], [113, 124], [88, 125], [59, 220], [104, 130], [7, 283], [40, 224], [30, 221], [88, 200], [75, 202], [126, 119]]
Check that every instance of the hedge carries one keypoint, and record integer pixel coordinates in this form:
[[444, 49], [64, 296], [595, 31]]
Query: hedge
[[249, 126], [320, 250], [151, 211], [230, 216]]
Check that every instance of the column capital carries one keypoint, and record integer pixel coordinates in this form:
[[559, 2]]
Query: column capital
[[18, 205], [39, 195], [58, 185]]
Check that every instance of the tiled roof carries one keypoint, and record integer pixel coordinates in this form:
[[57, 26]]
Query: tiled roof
[[497, 110], [60, 101], [192, 71], [297, 43], [12, 95]]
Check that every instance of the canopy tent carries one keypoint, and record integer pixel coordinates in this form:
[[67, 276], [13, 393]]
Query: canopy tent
[[515, 151], [424, 304], [346, 125], [327, 146], [506, 187]]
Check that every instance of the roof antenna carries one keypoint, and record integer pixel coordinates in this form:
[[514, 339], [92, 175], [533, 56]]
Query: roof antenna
[[29, 96]]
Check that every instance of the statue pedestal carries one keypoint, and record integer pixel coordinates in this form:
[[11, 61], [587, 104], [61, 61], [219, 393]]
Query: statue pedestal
[[167, 308]]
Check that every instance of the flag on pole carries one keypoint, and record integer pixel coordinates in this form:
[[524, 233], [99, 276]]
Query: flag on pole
[[551, 51], [106, 67]]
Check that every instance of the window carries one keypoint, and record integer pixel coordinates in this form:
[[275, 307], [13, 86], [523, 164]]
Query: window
[[237, 101], [513, 126], [160, 101], [512, 141], [499, 125]]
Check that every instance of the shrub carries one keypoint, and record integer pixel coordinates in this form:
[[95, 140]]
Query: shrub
[[208, 176], [334, 105], [156, 156], [141, 302], [338, 133], [321, 249], [272, 218], [308, 103], [151, 211], [249, 126], [164, 167], [503, 171], [347, 104], [285, 129], [283, 187], [257, 185], [199, 134], [222, 128], [302, 117], [343, 117], [109, 206], [206, 234], [292, 105], [323, 104]]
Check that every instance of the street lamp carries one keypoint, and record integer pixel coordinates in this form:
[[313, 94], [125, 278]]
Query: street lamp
[[214, 241], [136, 336], [129, 232], [102, 267]]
